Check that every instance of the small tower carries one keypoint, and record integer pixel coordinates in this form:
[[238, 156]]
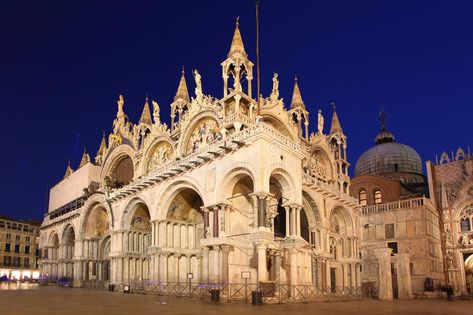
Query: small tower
[[69, 170], [85, 158], [237, 66], [298, 112], [181, 100], [101, 151], [338, 143], [145, 114]]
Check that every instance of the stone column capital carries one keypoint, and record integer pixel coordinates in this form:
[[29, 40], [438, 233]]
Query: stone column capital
[[404, 257], [261, 244], [292, 205], [226, 248], [384, 252]]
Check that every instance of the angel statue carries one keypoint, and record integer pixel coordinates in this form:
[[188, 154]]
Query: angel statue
[[198, 83], [320, 122], [275, 93], [155, 111], [120, 103]]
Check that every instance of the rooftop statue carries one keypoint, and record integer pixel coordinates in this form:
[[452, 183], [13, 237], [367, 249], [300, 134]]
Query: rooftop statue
[[155, 111], [275, 93], [320, 122], [198, 84]]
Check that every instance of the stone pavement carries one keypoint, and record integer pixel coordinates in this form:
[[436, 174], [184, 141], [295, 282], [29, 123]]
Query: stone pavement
[[59, 301]]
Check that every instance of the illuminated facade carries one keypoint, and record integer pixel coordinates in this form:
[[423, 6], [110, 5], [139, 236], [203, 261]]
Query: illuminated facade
[[223, 190], [19, 248]]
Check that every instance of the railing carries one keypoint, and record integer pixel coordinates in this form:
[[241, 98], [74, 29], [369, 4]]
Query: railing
[[71, 206], [391, 206], [243, 292], [95, 284], [329, 187]]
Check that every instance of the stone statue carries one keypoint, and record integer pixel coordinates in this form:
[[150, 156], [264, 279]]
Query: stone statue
[[155, 111], [320, 122], [198, 83], [275, 92], [449, 260], [120, 113], [120, 103]]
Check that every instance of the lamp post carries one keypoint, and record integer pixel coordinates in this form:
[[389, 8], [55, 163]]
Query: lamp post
[[190, 275], [245, 275]]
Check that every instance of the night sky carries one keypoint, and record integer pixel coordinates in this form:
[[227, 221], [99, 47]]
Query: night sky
[[64, 63]]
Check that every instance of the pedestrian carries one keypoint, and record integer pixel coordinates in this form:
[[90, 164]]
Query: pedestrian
[[449, 290]]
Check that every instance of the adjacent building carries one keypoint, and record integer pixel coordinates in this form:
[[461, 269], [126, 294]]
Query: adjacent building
[[19, 248], [399, 222]]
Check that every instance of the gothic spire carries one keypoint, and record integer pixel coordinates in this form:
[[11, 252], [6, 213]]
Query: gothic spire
[[182, 91], [85, 158], [146, 114], [296, 96], [335, 127], [237, 46], [69, 170], [103, 145]]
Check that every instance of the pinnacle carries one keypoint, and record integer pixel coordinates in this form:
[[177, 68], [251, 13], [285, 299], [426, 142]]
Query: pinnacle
[[296, 96], [335, 127], [146, 114], [85, 158], [69, 170], [237, 46], [103, 145], [182, 92]]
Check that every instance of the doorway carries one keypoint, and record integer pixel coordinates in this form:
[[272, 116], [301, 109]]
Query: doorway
[[333, 279]]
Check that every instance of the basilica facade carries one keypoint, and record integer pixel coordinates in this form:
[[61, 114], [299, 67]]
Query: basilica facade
[[233, 186]]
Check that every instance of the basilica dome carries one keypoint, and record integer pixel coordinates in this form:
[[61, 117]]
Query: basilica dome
[[388, 157]]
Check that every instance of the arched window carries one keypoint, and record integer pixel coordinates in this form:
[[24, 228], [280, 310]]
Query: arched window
[[362, 197], [377, 197], [465, 225]]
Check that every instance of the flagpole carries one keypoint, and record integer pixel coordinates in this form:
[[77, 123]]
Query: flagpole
[[257, 60]]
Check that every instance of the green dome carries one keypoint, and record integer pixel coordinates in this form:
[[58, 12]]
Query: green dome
[[388, 157]]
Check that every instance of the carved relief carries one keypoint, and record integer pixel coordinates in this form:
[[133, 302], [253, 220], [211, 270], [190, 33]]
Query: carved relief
[[204, 133], [162, 154]]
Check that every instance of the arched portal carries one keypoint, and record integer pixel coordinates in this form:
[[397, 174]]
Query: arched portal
[[137, 239], [53, 256], [121, 173], [181, 233], [69, 240], [468, 257], [242, 202], [104, 264], [280, 221], [96, 231], [185, 206]]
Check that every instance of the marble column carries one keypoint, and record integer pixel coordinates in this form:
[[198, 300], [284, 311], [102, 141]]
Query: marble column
[[404, 282], [327, 275], [262, 267], [293, 280], [288, 220], [345, 275], [225, 253], [277, 267], [205, 265], [385, 285]]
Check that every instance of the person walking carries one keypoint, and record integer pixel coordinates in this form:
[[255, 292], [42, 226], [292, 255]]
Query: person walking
[[449, 290]]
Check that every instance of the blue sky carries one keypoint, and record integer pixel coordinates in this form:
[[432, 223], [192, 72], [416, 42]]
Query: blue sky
[[63, 64]]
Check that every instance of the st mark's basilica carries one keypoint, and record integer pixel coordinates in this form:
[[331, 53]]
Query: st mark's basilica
[[235, 188]]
